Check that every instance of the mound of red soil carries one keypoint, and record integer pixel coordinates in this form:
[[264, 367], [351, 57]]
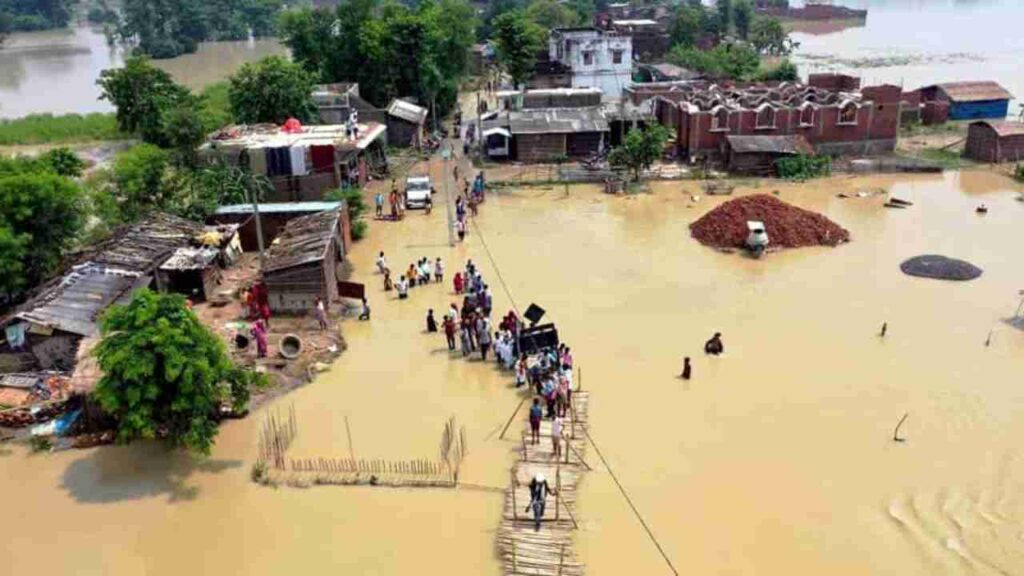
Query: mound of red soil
[[787, 226]]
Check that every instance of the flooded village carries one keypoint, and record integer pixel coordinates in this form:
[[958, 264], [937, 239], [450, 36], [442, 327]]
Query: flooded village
[[538, 289]]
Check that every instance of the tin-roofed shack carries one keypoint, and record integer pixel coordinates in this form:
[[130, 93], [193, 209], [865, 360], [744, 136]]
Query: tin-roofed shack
[[273, 218], [406, 123], [545, 134], [756, 155], [302, 162], [970, 100], [991, 141], [306, 262], [44, 333]]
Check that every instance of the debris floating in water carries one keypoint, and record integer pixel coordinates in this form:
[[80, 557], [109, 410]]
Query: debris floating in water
[[940, 268], [787, 225]]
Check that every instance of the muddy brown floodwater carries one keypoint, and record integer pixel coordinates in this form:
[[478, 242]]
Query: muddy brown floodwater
[[776, 458]]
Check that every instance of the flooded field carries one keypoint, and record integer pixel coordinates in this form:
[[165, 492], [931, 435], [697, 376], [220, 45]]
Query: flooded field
[[775, 458], [914, 43], [56, 71]]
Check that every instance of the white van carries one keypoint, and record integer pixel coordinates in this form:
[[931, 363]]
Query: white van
[[417, 190]]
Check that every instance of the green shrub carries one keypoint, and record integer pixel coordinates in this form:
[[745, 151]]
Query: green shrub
[[803, 167], [1018, 172], [359, 229]]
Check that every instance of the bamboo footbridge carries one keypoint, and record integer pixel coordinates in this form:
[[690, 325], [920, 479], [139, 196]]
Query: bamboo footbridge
[[548, 551]]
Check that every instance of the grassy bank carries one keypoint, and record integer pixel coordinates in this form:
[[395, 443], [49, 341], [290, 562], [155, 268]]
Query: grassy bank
[[50, 129]]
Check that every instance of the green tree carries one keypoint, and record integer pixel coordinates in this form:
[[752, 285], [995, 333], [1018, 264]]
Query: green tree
[[139, 181], [391, 50], [162, 28], [724, 10], [204, 189], [726, 61], [639, 149], [271, 90], [518, 40], [769, 37], [742, 15], [165, 374], [784, 71], [64, 162], [41, 214], [356, 205], [143, 95], [183, 130], [550, 14], [685, 28], [28, 15]]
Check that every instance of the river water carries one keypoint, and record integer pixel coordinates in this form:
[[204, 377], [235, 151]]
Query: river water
[[776, 458], [916, 43], [55, 71]]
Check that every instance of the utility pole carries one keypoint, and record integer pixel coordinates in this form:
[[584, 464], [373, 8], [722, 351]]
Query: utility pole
[[259, 227], [446, 153]]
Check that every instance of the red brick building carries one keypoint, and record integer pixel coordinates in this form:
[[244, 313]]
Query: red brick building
[[702, 116], [992, 141]]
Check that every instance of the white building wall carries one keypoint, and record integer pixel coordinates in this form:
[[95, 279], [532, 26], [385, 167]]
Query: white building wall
[[597, 59]]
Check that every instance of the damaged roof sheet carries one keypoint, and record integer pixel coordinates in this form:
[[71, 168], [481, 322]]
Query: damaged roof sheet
[[407, 111], [557, 121], [304, 240]]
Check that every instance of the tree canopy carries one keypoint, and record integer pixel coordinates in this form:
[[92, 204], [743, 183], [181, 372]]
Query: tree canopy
[[271, 90], [639, 149], [164, 373], [517, 40], [737, 61], [769, 37], [27, 15], [41, 213], [168, 28], [391, 50]]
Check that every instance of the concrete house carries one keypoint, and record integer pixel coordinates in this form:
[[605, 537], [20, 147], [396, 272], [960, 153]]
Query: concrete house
[[596, 58], [406, 123]]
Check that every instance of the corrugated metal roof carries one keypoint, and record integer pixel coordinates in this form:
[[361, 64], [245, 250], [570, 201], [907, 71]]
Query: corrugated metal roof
[[557, 121], [407, 111], [790, 144], [106, 273], [1004, 128], [974, 91], [75, 305], [279, 207], [304, 240]]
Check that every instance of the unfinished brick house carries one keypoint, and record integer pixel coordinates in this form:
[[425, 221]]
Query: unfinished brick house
[[701, 116]]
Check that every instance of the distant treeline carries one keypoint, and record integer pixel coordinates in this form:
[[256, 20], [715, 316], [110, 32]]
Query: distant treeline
[[169, 28], [25, 15]]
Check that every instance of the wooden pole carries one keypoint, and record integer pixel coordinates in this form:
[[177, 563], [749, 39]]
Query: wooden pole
[[348, 432], [561, 558], [512, 417], [896, 431], [558, 490], [515, 507], [515, 568]]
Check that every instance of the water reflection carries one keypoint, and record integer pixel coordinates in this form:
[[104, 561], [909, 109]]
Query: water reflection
[[56, 71], [914, 43], [149, 470]]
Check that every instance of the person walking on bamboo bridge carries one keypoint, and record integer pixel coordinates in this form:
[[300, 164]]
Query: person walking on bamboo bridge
[[539, 491]]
